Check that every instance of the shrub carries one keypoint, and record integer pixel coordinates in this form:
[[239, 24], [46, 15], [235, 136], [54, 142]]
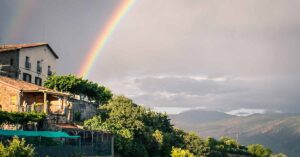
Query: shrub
[[20, 117], [17, 148], [178, 152]]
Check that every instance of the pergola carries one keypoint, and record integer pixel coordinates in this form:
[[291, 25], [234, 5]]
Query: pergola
[[61, 143]]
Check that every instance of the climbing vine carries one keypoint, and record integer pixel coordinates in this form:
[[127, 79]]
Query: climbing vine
[[20, 117]]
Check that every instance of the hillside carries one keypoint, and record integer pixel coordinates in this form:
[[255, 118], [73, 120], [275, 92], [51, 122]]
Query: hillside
[[280, 132], [199, 116]]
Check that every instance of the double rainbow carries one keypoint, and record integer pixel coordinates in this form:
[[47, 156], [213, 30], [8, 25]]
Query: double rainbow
[[18, 18], [104, 35]]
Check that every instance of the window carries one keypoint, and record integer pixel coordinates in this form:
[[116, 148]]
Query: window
[[38, 81], [13, 100], [11, 62], [27, 63], [49, 70], [38, 67], [27, 77]]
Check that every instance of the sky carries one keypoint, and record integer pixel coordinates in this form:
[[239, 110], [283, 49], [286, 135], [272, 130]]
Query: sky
[[233, 56]]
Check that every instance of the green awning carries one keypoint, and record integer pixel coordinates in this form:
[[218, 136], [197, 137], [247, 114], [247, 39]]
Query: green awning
[[51, 134]]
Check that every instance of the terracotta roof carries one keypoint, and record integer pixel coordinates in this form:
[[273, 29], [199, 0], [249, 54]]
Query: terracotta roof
[[67, 126], [26, 87], [11, 47]]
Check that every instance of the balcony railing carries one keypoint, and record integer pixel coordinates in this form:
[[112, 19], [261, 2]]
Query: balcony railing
[[27, 65], [39, 69], [49, 73], [8, 70]]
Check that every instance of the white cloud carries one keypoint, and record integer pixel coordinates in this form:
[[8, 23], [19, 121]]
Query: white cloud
[[175, 110], [246, 112]]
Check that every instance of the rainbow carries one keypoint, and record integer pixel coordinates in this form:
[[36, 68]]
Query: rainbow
[[104, 36], [19, 17]]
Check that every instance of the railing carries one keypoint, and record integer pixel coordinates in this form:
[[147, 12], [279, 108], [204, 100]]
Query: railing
[[49, 73], [8, 70], [39, 69], [28, 65]]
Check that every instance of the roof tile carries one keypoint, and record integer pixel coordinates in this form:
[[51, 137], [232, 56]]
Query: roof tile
[[11, 47], [25, 86]]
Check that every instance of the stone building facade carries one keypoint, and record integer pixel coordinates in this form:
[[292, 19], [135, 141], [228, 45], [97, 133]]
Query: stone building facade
[[21, 96]]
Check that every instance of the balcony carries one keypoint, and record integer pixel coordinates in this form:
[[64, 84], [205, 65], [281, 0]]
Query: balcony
[[50, 73], [8, 70], [27, 65], [39, 69]]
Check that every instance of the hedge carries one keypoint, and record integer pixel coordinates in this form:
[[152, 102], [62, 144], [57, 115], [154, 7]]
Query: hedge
[[20, 117]]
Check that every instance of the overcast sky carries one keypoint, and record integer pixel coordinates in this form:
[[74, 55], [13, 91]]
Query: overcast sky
[[175, 54]]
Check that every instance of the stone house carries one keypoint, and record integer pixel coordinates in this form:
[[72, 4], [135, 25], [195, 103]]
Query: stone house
[[29, 62], [20, 96]]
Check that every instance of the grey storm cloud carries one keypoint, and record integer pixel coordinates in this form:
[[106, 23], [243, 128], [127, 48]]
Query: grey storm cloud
[[247, 51], [222, 93], [187, 85]]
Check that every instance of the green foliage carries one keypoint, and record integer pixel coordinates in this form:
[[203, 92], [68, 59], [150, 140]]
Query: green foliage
[[258, 150], [142, 132], [94, 123], [77, 116], [80, 86], [178, 152], [17, 148], [158, 137], [194, 143], [2, 150], [20, 117], [139, 131]]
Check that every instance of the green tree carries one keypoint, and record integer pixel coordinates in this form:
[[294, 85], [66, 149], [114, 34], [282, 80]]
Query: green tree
[[141, 132], [258, 150], [2, 150], [137, 129], [70, 83], [17, 148], [193, 143], [158, 137], [178, 152]]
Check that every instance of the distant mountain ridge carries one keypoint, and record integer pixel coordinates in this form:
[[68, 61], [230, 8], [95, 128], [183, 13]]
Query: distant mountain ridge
[[199, 116], [278, 131]]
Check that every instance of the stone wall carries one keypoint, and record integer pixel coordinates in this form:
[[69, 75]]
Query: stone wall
[[85, 109], [9, 98]]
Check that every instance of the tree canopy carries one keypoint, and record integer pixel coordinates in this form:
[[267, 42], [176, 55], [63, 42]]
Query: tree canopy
[[138, 130], [142, 132], [17, 148], [178, 152], [258, 150], [72, 84]]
